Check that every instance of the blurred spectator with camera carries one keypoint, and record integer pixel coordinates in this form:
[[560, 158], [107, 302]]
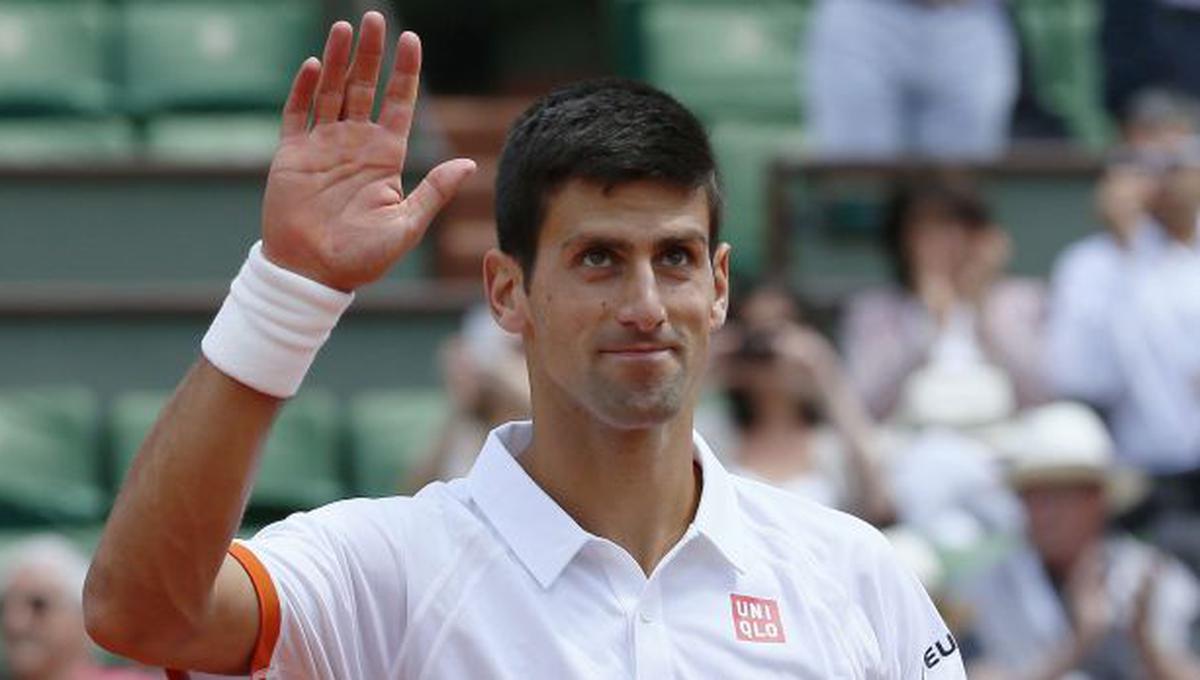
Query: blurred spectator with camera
[[951, 300], [1125, 307], [896, 78], [1074, 599], [799, 424], [41, 615]]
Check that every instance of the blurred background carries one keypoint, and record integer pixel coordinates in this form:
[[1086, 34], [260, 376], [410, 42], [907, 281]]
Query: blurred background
[[967, 283]]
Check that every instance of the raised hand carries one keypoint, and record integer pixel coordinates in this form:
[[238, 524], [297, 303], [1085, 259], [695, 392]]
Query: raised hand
[[334, 209]]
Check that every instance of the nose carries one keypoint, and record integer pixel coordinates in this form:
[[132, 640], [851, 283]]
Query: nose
[[641, 305]]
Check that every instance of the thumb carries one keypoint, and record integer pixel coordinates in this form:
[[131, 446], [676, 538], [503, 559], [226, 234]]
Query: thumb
[[431, 195]]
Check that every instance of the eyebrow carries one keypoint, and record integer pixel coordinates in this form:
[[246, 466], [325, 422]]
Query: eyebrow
[[684, 237]]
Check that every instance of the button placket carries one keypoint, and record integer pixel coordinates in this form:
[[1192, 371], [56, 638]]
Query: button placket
[[652, 646]]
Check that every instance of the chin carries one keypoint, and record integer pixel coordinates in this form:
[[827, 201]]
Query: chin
[[640, 409]]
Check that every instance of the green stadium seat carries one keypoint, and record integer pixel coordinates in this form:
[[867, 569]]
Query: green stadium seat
[[1062, 41], [726, 59], [390, 432], [300, 467], [56, 139], [48, 451], [212, 138], [54, 56], [744, 154], [214, 54]]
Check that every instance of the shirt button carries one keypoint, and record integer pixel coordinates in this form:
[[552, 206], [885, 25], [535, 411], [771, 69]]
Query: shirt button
[[646, 616]]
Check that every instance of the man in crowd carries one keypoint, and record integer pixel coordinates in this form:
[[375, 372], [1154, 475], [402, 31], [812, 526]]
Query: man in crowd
[[1124, 313], [1076, 598], [602, 539], [41, 614]]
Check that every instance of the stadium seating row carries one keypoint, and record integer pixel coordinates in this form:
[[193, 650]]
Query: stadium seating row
[[78, 78], [63, 456]]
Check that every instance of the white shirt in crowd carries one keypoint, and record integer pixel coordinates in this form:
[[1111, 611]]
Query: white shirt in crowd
[[486, 577], [1124, 335]]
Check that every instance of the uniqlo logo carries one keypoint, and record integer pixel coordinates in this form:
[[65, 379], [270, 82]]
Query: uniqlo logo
[[756, 619]]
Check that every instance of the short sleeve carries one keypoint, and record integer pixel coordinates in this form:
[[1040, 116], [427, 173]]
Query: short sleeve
[[916, 641], [338, 577]]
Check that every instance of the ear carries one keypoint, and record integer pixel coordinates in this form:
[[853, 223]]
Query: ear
[[720, 306], [504, 286]]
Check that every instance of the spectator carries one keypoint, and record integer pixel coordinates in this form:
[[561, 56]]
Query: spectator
[[1125, 314], [951, 299], [41, 600], [1073, 599], [800, 425], [889, 78], [942, 462], [484, 373]]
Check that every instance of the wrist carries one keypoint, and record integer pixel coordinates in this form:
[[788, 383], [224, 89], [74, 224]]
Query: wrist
[[271, 325]]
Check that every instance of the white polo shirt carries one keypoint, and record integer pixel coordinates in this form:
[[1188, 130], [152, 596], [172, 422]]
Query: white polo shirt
[[486, 577]]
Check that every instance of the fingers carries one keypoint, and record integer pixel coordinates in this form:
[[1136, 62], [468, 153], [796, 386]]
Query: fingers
[[438, 187], [300, 99], [401, 96], [364, 70], [332, 85]]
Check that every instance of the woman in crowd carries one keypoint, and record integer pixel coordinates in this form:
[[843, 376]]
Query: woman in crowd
[[800, 426], [951, 299]]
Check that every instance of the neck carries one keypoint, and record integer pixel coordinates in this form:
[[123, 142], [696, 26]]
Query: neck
[[639, 488]]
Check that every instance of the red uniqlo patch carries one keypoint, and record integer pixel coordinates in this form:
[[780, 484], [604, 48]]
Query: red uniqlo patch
[[756, 619]]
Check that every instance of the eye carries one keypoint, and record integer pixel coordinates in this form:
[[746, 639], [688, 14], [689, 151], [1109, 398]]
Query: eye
[[676, 257], [596, 257]]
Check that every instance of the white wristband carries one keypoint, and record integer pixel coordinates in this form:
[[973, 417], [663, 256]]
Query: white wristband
[[271, 325]]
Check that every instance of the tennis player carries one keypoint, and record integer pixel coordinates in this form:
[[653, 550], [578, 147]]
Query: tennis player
[[601, 540]]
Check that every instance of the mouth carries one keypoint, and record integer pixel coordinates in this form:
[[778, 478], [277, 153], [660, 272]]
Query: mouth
[[639, 351]]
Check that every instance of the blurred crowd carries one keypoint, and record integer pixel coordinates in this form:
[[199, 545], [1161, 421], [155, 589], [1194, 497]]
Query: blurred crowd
[[953, 79]]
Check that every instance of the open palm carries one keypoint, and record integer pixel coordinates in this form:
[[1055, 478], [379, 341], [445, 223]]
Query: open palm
[[334, 208]]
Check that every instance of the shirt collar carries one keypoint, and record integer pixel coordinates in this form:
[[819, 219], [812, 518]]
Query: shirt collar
[[545, 538]]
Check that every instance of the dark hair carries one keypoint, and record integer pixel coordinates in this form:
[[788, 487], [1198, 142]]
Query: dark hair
[[954, 193], [609, 131]]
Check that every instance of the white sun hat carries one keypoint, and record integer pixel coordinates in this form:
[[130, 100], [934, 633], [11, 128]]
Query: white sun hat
[[956, 395], [1067, 443]]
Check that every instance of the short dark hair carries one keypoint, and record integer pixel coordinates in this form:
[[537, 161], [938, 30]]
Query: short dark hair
[[951, 191], [610, 131]]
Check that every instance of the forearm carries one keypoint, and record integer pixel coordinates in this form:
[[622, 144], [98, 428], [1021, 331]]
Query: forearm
[[167, 535]]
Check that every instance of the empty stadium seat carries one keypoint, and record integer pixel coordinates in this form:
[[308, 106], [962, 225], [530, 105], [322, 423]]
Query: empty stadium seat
[[213, 138], [49, 455], [726, 59], [390, 432], [54, 56], [300, 467], [214, 54], [55, 139]]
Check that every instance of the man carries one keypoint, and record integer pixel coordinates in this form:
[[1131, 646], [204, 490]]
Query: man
[[601, 540], [1123, 314], [1076, 600], [894, 78], [41, 620]]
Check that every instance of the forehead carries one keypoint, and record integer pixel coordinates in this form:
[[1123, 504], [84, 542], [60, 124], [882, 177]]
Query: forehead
[[32, 579], [633, 212]]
